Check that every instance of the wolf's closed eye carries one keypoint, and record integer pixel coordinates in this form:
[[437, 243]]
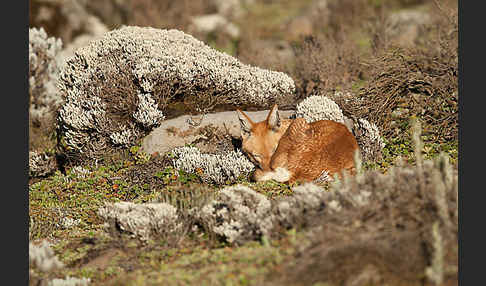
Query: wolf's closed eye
[[258, 158], [255, 158]]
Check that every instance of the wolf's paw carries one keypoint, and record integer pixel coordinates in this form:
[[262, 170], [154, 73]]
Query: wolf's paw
[[280, 174]]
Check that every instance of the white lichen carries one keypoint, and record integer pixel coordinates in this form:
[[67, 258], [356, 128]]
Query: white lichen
[[124, 137], [334, 206], [82, 115], [147, 112], [43, 74], [177, 56], [369, 139], [80, 172], [70, 281], [317, 107], [307, 199], [213, 168], [141, 220], [308, 195], [238, 214], [67, 222], [42, 257], [40, 164]]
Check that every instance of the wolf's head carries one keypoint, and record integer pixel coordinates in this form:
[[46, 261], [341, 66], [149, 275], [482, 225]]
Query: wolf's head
[[260, 139]]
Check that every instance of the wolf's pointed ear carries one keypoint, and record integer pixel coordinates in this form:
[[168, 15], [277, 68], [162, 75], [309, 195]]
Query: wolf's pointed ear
[[273, 118], [245, 123]]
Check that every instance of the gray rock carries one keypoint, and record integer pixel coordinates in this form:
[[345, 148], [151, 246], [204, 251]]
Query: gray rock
[[188, 129]]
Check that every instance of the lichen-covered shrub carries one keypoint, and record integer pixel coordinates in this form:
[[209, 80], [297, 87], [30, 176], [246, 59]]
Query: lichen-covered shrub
[[43, 74], [41, 164], [369, 139], [143, 221], [316, 107], [122, 81], [80, 172], [433, 178], [239, 214], [67, 222], [307, 202], [42, 257], [147, 112], [70, 281], [212, 168]]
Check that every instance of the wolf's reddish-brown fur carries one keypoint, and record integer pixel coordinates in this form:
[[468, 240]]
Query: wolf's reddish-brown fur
[[290, 150]]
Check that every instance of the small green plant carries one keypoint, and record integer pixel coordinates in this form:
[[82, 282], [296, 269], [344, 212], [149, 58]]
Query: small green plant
[[140, 156], [170, 175], [166, 175]]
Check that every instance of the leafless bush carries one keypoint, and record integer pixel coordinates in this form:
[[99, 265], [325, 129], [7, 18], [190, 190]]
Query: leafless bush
[[422, 84], [323, 64], [420, 81]]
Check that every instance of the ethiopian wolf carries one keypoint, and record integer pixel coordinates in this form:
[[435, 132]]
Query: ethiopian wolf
[[289, 150]]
